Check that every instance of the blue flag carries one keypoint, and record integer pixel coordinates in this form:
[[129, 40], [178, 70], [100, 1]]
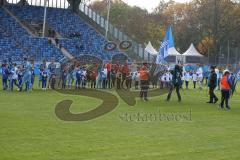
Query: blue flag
[[238, 75], [168, 42]]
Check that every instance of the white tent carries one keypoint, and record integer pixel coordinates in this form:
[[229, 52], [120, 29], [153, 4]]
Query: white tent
[[174, 56], [192, 52], [173, 52], [149, 49]]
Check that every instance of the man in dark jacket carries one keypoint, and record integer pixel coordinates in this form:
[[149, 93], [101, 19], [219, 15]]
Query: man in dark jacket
[[212, 84], [176, 82]]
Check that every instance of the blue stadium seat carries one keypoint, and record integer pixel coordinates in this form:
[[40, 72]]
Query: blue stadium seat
[[65, 23], [15, 42]]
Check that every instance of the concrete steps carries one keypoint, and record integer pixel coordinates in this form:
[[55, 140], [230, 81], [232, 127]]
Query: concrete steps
[[19, 22], [63, 50]]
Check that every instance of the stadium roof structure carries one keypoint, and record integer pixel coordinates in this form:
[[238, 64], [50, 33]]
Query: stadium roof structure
[[73, 3], [192, 52]]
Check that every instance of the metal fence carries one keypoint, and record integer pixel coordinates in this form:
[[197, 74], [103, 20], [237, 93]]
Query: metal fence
[[136, 48], [115, 32]]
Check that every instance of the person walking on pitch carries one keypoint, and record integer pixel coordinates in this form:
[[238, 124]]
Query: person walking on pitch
[[225, 89], [176, 82], [212, 84], [144, 82]]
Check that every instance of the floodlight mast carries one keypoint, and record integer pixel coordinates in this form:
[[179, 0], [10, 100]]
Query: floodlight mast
[[108, 14], [45, 17]]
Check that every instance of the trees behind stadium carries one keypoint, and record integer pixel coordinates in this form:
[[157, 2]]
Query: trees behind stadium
[[209, 24]]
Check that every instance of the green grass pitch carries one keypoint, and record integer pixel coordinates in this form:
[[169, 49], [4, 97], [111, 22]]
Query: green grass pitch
[[30, 130]]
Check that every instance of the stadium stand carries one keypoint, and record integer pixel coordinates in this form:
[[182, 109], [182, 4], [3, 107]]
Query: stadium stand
[[77, 37], [16, 43]]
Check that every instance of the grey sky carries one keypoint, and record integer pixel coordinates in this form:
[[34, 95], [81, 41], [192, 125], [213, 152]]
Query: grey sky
[[148, 4], [145, 4]]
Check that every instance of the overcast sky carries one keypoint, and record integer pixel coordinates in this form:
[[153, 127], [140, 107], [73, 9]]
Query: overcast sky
[[145, 4], [148, 4]]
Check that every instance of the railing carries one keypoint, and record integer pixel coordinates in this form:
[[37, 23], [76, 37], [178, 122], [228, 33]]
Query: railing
[[115, 32]]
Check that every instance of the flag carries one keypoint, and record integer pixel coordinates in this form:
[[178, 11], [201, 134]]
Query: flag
[[236, 79], [168, 42], [238, 75]]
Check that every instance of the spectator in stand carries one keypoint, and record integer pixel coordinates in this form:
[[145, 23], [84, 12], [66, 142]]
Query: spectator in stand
[[57, 41]]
